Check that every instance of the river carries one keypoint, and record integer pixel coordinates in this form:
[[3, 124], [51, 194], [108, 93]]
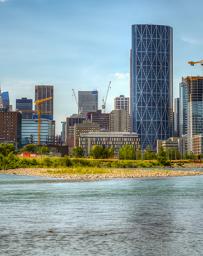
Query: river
[[159, 216]]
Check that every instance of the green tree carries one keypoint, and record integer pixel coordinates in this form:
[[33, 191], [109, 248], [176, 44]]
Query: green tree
[[127, 152], [42, 150], [101, 152], [149, 154], [173, 154], [78, 152], [162, 157], [31, 148], [6, 149]]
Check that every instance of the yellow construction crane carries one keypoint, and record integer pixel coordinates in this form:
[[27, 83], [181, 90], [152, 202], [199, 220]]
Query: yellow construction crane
[[38, 103], [192, 63]]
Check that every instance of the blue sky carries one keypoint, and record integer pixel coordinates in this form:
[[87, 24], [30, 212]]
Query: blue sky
[[83, 44]]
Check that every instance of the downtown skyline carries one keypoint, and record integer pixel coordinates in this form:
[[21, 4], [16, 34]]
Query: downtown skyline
[[85, 45]]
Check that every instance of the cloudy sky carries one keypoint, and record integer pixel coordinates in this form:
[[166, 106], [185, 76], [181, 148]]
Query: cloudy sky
[[83, 44]]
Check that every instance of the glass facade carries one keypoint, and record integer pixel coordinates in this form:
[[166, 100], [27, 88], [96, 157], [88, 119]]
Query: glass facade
[[195, 108], [176, 115], [25, 106], [183, 89], [87, 101], [151, 83]]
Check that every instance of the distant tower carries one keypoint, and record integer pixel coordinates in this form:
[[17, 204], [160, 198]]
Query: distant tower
[[121, 102], [151, 93], [24, 105], [183, 91], [87, 101], [47, 108], [176, 114]]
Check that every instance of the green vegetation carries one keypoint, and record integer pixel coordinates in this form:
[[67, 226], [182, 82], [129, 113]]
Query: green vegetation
[[127, 152], [35, 149], [100, 152], [77, 152]]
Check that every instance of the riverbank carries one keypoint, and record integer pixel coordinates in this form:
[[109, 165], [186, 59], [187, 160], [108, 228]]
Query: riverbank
[[89, 174]]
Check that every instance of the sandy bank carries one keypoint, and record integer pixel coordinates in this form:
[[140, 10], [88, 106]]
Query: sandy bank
[[98, 173]]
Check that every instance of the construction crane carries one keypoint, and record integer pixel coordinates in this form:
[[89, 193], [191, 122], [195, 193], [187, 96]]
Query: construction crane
[[104, 100], [192, 63], [38, 103]]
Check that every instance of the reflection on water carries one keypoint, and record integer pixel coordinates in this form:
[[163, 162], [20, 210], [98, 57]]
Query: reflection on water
[[41, 216]]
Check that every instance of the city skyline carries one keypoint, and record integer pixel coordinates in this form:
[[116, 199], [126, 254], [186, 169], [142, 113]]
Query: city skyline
[[85, 45]]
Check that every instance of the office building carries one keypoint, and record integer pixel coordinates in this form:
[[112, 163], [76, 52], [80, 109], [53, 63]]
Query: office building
[[4, 101], [113, 140], [30, 131], [119, 121], [69, 128], [183, 91], [122, 102], [100, 118], [87, 101], [47, 108], [176, 117], [10, 127], [197, 144], [84, 127], [24, 105], [195, 108], [151, 92]]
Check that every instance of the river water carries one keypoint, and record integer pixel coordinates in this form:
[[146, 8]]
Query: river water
[[159, 216]]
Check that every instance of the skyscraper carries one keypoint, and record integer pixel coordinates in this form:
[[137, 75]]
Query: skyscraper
[[4, 101], [47, 108], [195, 108], [87, 101], [176, 116], [24, 105], [183, 91], [151, 92]]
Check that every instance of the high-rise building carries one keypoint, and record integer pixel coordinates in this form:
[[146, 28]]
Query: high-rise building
[[183, 91], [100, 118], [47, 108], [10, 127], [176, 117], [151, 92], [119, 121], [24, 105], [4, 101], [121, 102], [87, 101], [195, 108]]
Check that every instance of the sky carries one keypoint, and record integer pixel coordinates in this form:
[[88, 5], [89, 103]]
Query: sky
[[84, 44]]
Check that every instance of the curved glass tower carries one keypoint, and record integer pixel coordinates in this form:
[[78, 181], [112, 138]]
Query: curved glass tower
[[151, 83]]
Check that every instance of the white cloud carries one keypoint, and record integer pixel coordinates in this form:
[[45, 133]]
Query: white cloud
[[121, 75], [192, 40], [3, 1]]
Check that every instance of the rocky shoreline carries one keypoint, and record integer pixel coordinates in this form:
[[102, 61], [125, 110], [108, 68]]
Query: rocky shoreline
[[88, 174]]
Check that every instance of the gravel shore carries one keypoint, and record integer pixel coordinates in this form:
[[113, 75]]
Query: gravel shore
[[90, 174]]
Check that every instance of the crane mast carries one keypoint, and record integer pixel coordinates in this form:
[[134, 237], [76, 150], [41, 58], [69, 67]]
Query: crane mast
[[38, 103], [105, 99]]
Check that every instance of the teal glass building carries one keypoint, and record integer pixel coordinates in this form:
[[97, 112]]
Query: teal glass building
[[151, 79]]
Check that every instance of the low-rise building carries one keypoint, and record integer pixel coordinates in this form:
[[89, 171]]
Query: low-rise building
[[10, 127], [197, 144], [108, 139]]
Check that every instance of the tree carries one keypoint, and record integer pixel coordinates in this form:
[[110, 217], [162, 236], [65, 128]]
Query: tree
[[149, 154], [101, 152], [173, 154], [78, 152], [42, 150], [31, 148], [127, 152], [162, 157], [6, 149]]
